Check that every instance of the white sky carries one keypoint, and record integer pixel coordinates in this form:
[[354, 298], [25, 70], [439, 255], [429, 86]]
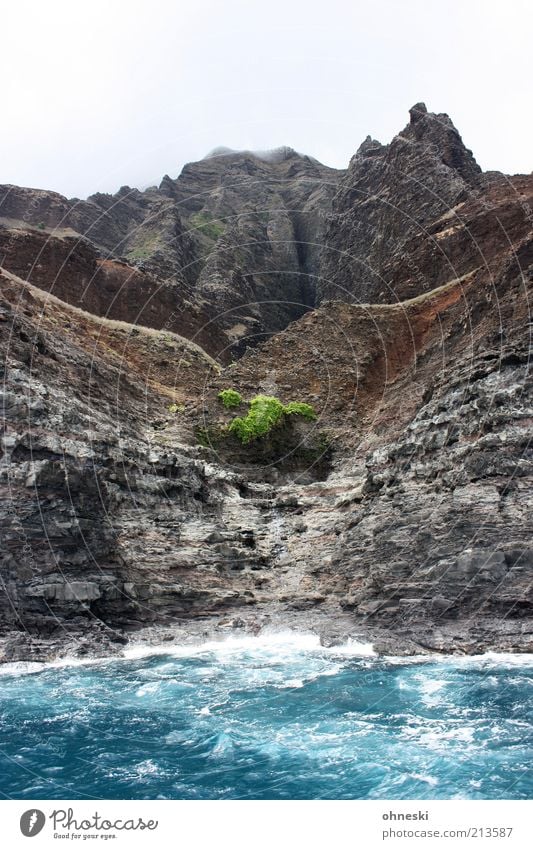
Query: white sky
[[101, 93]]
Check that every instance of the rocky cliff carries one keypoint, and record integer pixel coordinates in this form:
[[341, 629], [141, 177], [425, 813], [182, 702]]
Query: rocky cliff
[[393, 297], [229, 251]]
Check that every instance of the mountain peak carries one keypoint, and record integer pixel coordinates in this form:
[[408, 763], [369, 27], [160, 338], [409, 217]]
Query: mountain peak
[[369, 147], [417, 111], [438, 132], [274, 156]]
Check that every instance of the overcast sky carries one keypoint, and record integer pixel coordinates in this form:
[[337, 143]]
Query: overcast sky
[[101, 93]]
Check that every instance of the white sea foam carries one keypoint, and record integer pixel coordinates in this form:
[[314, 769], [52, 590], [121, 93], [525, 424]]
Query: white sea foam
[[486, 660], [279, 644], [148, 689], [353, 648], [291, 684], [427, 779], [30, 667]]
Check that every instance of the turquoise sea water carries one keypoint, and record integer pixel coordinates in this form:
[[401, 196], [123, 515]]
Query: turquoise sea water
[[276, 717]]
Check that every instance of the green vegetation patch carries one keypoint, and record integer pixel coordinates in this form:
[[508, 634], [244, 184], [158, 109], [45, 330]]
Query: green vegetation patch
[[298, 408], [143, 244], [230, 398], [212, 228], [264, 413]]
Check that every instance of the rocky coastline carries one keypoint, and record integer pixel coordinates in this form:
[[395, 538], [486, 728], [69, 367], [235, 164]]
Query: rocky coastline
[[94, 644]]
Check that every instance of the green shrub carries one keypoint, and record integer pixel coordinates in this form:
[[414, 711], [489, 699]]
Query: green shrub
[[230, 398], [300, 409], [265, 412]]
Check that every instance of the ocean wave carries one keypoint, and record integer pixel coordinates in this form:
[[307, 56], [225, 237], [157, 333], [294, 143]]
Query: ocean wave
[[270, 643]]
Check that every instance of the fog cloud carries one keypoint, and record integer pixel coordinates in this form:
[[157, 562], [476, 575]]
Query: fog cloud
[[101, 94]]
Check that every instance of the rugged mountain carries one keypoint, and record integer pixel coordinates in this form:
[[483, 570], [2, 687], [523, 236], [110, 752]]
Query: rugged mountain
[[233, 242], [388, 200], [401, 513]]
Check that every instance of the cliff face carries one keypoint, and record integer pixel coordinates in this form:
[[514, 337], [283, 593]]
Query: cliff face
[[71, 268], [403, 510], [422, 524], [229, 250]]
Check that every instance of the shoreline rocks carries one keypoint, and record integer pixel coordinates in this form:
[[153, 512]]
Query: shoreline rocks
[[457, 639]]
